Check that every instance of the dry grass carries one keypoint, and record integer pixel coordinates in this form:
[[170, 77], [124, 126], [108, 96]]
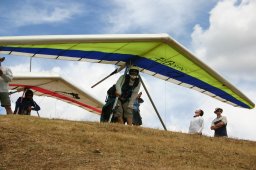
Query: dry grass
[[34, 143]]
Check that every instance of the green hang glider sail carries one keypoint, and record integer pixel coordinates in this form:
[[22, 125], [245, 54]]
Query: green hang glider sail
[[156, 54]]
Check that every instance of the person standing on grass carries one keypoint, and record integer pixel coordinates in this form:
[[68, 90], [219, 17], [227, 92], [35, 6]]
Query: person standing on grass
[[197, 123], [137, 119], [127, 88], [5, 77], [219, 124]]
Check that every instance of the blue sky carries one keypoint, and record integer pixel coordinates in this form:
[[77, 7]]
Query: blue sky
[[220, 33]]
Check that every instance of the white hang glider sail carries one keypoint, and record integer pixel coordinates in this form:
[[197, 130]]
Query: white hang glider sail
[[56, 87], [156, 54]]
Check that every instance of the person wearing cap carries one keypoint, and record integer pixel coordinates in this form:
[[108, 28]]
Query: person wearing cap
[[197, 123], [219, 124], [127, 88], [5, 77]]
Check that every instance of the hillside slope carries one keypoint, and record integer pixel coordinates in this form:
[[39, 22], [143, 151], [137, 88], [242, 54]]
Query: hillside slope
[[28, 142]]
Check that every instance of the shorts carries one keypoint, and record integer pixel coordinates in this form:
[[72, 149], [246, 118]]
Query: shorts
[[5, 99], [123, 110]]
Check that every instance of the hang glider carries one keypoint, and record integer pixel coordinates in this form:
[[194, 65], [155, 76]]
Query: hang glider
[[157, 55], [56, 87]]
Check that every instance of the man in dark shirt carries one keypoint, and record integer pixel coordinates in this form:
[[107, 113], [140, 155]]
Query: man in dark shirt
[[219, 124], [24, 105]]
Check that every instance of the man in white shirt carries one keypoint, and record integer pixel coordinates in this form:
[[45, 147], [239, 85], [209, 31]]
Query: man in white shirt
[[5, 78], [197, 123]]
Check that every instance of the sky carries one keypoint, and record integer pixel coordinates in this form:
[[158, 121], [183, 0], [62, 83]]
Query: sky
[[221, 33]]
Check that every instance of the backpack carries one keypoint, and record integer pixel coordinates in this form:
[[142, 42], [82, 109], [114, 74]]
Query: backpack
[[128, 90], [111, 92]]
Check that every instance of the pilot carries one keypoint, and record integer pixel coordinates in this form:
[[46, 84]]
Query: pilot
[[127, 88]]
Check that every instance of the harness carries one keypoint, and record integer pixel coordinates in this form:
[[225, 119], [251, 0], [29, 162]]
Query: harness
[[127, 89]]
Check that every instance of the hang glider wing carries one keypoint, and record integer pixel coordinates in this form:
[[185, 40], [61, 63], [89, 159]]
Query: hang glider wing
[[157, 55], [56, 87]]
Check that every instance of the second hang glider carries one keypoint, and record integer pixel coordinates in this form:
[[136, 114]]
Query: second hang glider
[[56, 87], [156, 54]]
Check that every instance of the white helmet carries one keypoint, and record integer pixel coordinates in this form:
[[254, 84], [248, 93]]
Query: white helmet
[[134, 69]]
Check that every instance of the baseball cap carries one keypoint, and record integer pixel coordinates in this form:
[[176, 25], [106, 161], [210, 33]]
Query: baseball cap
[[218, 110]]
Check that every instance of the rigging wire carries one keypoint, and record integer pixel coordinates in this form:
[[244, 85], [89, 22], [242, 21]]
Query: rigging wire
[[165, 117]]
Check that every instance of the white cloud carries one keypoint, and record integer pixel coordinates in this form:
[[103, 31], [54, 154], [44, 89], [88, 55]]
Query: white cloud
[[228, 45], [55, 109], [156, 16], [42, 12], [229, 42], [240, 124]]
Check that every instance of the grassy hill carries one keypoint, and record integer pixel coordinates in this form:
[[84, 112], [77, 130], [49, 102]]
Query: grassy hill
[[34, 143]]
